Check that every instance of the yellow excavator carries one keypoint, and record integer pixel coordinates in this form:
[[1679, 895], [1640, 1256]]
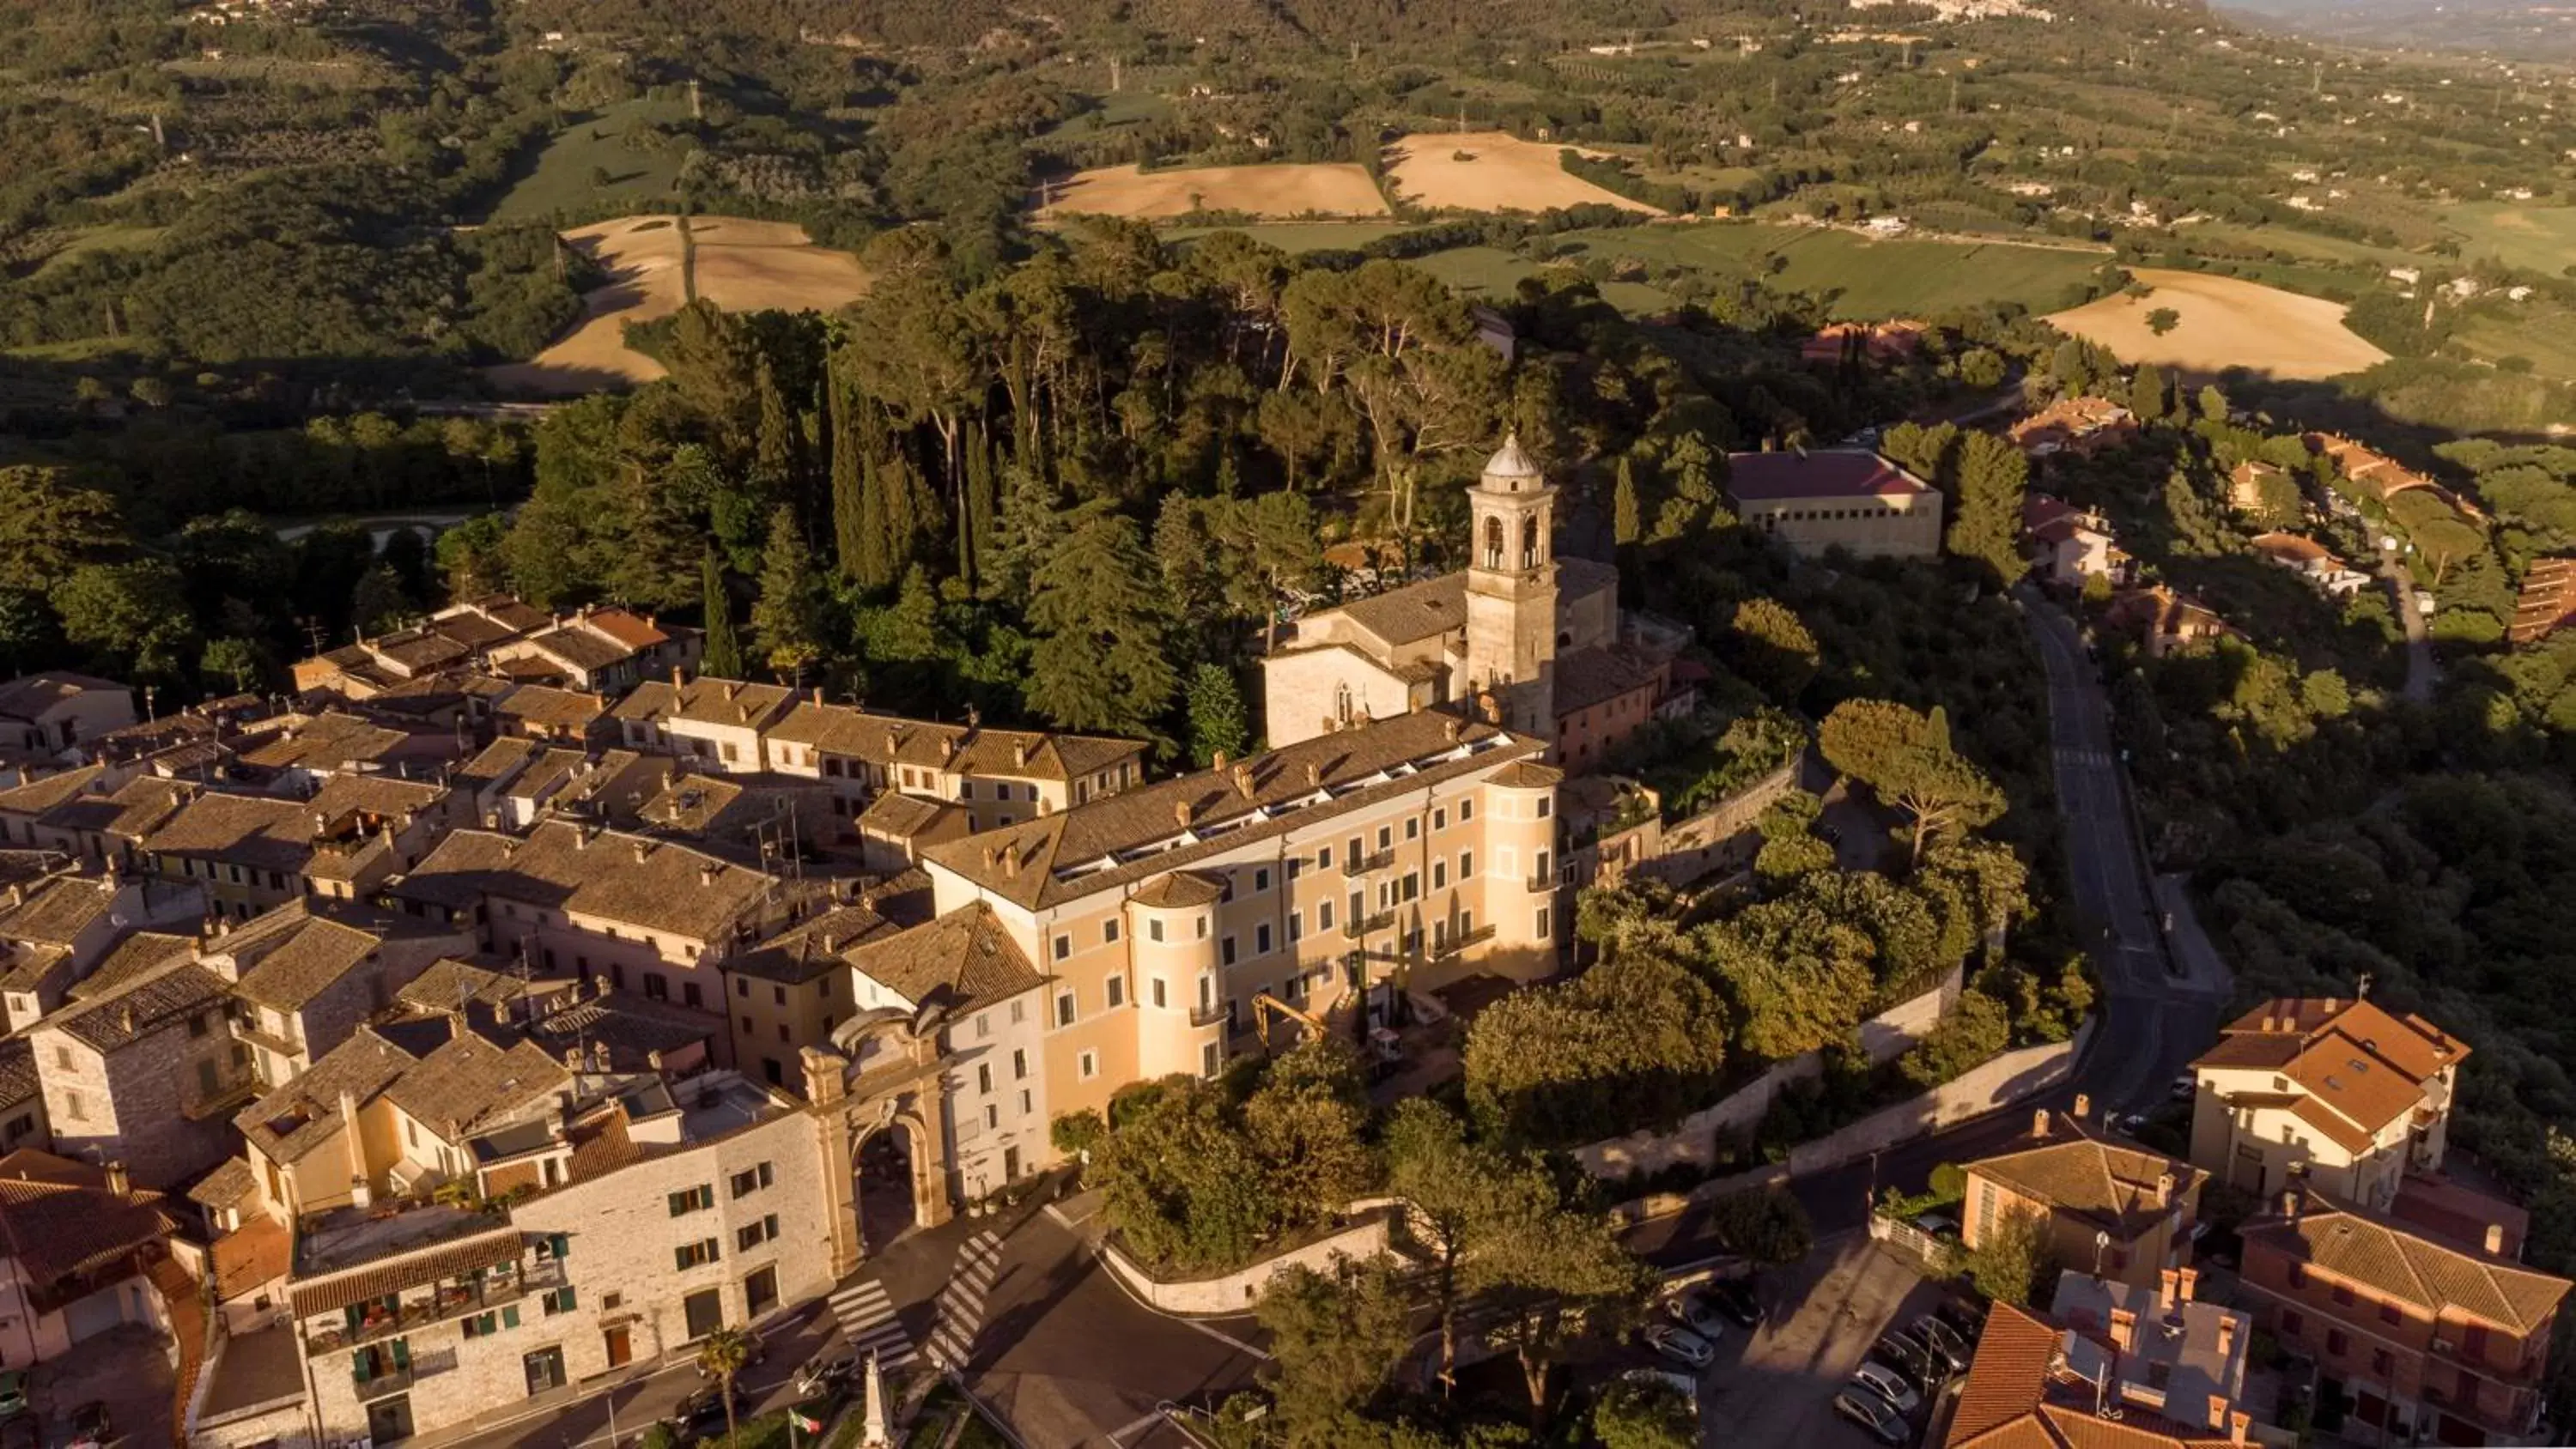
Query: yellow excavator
[[1263, 1004]]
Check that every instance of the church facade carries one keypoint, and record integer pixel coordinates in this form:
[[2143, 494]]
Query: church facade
[[1535, 643]]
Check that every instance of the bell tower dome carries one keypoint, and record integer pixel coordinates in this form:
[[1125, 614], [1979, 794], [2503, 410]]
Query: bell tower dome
[[1511, 591]]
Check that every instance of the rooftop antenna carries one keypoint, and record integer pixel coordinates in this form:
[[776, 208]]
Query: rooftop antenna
[[2361, 988]]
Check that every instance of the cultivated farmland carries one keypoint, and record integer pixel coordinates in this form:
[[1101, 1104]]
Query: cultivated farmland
[[740, 265], [2225, 322], [1284, 190], [1491, 171], [1861, 278]]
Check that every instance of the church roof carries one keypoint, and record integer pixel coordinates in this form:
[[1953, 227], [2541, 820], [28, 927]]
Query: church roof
[[1512, 461]]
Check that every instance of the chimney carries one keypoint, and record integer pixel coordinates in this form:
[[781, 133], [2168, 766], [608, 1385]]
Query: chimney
[[1243, 781], [2168, 1290], [707, 874], [2290, 1203], [1181, 813], [125, 1018], [676, 680], [742, 714], [893, 743], [2226, 1339], [2039, 1122], [2238, 1421], [1010, 864], [1020, 755], [2495, 1239], [731, 688], [2188, 1281], [1451, 728], [1314, 775], [1217, 763], [117, 1182], [818, 694], [2083, 1106], [2164, 1188], [2218, 1402], [653, 1059], [2124, 1330]]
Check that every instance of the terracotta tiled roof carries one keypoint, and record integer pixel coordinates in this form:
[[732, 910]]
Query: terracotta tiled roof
[[608, 875], [579, 648], [898, 816], [2007, 1376], [1826, 473], [704, 701], [225, 1187], [29, 696], [630, 629], [330, 741], [40, 795], [1413, 612], [962, 960], [814, 947], [18, 1079], [1181, 888], [2410, 1047], [293, 953], [1586, 677], [2113, 1187], [59, 1218], [544, 704], [304, 1114], [450, 985], [55, 911], [119, 1018], [130, 811], [268, 833], [884, 739], [414, 1270], [2395, 1260], [2013, 1398], [130, 960], [1171, 823], [258, 1252], [472, 1079]]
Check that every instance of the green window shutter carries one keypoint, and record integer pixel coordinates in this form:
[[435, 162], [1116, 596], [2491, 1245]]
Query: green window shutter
[[562, 1243], [358, 1366], [510, 1316], [563, 1295], [402, 1353], [356, 1314]]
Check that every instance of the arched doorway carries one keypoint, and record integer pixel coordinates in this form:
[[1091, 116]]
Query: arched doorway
[[888, 1165], [877, 1099]]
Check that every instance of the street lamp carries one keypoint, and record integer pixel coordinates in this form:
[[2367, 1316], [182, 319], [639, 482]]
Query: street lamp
[[2101, 1240]]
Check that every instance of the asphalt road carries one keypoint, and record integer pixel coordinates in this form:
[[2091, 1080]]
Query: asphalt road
[[637, 1404], [2421, 671], [2160, 1009]]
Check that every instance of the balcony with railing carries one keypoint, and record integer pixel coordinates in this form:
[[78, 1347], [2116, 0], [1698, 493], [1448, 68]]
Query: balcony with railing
[[1451, 943], [1363, 864], [1207, 1013], [414, 1309], [1358, 926]]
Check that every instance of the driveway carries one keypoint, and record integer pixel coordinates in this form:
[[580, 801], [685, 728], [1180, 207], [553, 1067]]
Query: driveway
[[1776, 1383], [127, 1369]]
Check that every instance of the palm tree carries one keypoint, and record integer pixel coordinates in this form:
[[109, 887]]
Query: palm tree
[[724, 1353]]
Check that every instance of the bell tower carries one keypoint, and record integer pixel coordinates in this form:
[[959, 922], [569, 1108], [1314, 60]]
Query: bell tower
[[1511, 592]]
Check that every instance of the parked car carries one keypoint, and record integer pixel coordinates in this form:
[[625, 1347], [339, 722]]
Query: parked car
[[2130, 1124], [1872, 1413], [90, 1429], [1942, 1339], [701, 1415], [1734, 1297], [1693, 1310], [1962, 1318], [2184, 1088], [824, 1375], [759, 1351], [1902, 1352], [13, 1393], [1680, 1345], [1888, 1384], [1939, 1225]]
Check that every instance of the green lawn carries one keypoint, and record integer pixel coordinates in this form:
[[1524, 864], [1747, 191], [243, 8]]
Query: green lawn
[[101, 238], [1302, 236], [2546, 335], [562, 178], [2524, 234], [1860, 277], [2300, 244]]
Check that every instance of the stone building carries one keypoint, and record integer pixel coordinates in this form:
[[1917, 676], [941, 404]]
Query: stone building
[[995, 777], [145, 1074], [252, 852], [45, 718], [1165, 917], [1540, 637], [718, 722], [77, 1244], [305, 975], [56, 929], [1846, 498]]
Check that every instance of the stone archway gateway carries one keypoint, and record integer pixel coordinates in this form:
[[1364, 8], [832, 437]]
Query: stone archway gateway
[[886, 1070]]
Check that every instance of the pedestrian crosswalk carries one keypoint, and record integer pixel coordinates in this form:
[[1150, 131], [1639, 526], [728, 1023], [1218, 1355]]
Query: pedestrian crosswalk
[[961, 1303], [2094, 758], [868, 1321]]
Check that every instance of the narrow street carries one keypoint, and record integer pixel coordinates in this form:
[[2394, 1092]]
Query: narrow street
[[2422, 674]]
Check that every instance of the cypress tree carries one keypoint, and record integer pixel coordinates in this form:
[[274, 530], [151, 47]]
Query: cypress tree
[[723, 657], [789, 614], [849, 488], [1624, 526]]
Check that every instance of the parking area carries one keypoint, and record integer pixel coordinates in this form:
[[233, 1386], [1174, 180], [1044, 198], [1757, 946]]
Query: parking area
[[128, 1370], [1775, 1383]]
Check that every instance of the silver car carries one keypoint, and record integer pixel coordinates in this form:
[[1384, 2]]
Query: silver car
[[1889, 1385], [1680, 1345], [1872, 1413]]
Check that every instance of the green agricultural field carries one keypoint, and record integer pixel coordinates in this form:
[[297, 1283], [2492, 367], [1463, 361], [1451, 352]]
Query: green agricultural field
[[1862, 278], [2542, 238], [2547, 336], [1296, 237], [565, 173], [1480, 272]]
